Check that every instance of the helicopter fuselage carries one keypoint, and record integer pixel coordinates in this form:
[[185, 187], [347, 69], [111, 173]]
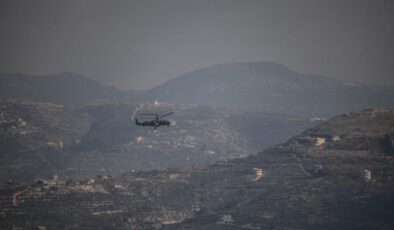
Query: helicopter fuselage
[[153, 123]]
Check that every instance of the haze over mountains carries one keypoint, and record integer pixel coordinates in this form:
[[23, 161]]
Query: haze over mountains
[[204, 172], [253, 108], [261, 86], [197, 115]]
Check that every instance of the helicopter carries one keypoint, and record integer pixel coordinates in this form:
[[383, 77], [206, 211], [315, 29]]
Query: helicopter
[[154, 119]]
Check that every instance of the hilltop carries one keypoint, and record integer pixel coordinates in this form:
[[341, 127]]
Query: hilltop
[[270, 87]]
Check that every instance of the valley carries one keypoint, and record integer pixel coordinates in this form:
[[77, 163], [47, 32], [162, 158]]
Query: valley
[[39, 140]]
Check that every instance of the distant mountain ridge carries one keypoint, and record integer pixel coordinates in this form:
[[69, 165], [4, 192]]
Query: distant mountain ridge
[[256, 87], [270, 87], [63, 87]]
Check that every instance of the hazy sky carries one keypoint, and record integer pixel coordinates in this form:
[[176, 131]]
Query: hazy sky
[[140, 44]]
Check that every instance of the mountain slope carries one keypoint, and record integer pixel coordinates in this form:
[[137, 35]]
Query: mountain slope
[[305, 183], [39, 139], [65, 87], [270, 87]]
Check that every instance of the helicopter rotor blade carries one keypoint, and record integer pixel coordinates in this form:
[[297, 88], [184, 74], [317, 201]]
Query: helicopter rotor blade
[[134, 113], [148, 114], [166, 114]]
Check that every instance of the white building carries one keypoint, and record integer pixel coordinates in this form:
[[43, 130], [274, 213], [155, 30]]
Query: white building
[[226, 219], [259, 173], [367, 175]]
